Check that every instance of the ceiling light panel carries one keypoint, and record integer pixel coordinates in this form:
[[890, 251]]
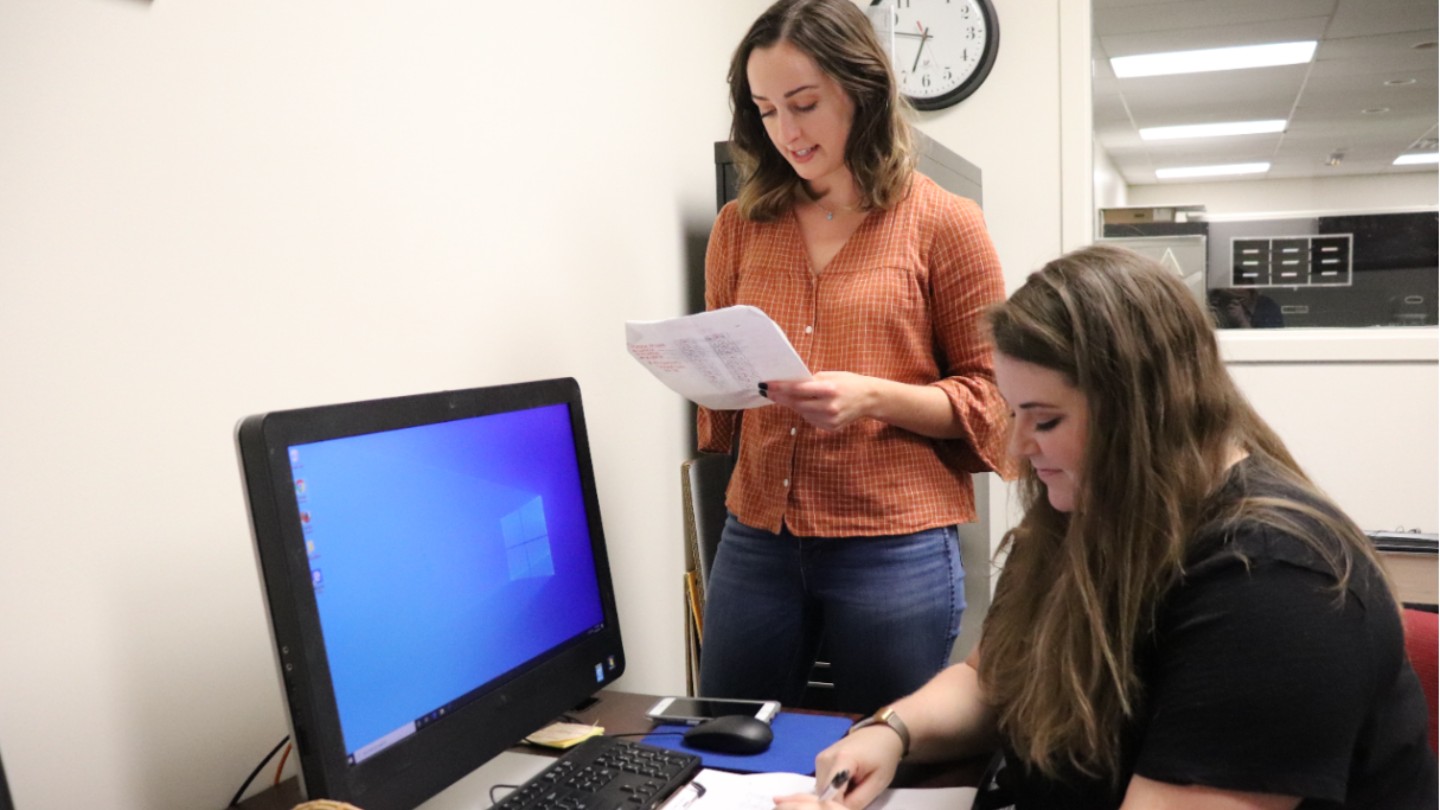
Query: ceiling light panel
[[1213, 59], [1181, 172], [1220, 130]]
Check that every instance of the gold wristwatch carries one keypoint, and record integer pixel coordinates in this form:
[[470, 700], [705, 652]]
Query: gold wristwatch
[[887, 716]]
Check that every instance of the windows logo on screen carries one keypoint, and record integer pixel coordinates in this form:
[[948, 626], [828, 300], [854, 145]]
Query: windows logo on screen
[[527, 541]]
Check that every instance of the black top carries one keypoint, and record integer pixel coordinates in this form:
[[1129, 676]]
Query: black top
[[1256, 679]]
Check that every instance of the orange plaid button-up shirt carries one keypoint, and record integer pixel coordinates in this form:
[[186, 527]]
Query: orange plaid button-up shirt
[[902, 300]]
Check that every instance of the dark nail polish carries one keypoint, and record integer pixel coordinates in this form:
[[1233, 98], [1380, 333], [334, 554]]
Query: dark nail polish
[[764, 386]]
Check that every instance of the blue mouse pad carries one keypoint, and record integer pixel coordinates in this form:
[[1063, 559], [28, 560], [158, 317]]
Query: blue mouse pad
[[798, 738]]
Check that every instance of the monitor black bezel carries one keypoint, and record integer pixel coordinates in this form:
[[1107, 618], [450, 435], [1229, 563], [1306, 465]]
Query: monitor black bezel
[[423, 764]]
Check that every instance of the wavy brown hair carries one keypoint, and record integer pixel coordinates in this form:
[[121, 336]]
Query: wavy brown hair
[[1079, 590], [841, 40]]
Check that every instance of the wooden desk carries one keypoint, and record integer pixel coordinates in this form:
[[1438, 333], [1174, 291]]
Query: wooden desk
[[617, 713]]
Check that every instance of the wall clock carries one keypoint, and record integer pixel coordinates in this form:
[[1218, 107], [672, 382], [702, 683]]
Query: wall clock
[[941, 50]]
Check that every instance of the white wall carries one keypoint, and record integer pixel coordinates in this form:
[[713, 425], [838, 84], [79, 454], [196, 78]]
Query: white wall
[[1359, 409], [211, 209], [1110, 188], [1346, 194]]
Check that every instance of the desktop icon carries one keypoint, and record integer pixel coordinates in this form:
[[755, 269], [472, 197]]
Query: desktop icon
[[300, 487]]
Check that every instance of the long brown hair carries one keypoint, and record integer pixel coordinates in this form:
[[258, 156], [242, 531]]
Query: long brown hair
[[1079, 589], [841, 40]]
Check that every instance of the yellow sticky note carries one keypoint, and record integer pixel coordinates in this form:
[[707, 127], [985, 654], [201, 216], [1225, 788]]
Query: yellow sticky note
[[564, 735]]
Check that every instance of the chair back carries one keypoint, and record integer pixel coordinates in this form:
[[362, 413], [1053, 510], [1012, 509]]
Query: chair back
[[1422, 630], [703, 480]]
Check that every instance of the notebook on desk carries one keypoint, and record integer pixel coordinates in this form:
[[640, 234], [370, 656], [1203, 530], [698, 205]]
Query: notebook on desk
[[798, 738], [757, 791]]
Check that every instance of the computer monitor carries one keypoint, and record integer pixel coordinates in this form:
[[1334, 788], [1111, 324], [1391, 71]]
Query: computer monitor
[[436, 578]]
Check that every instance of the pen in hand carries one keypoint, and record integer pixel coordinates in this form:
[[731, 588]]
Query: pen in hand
[[836, 786]]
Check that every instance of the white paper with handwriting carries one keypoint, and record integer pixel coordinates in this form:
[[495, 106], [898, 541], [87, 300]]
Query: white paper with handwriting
[[716, 359], [757, 791]]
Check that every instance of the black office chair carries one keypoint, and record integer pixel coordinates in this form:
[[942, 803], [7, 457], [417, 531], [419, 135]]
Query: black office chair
[[702, 482], [702, 495]]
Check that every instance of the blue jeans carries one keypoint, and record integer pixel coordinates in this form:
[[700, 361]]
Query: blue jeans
[[887, 608]]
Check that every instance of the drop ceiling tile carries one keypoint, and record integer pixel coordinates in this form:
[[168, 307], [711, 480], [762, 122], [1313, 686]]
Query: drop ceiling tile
[[1216, 15], [1363, 17], [1221, 36]]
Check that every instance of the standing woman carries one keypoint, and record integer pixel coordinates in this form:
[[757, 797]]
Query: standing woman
[[846, 493]]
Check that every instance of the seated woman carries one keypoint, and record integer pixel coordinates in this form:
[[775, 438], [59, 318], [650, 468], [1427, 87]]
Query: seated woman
[[1183, 620]]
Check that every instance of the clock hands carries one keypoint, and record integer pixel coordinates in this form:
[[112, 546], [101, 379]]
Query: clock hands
[[924, 38], [944, 71]]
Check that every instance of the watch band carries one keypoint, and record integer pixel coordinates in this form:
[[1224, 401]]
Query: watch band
[[888, 717]]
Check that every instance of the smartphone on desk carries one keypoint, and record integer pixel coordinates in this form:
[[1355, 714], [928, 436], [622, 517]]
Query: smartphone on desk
[[690, 710]]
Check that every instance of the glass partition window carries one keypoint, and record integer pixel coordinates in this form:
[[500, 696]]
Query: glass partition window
[[1341, 270]]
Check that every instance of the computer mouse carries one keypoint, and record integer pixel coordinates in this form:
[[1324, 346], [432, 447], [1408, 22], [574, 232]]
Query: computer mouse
[[731, 734]]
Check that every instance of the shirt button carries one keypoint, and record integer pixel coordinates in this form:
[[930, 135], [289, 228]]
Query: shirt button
[[792, 431], [809, 329], [786, 482]]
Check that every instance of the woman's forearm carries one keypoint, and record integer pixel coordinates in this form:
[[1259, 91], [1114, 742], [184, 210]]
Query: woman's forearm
[[948, 717], [922, 409]]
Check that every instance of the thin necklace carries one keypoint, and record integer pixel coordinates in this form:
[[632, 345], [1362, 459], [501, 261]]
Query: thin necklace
[[830, 215]]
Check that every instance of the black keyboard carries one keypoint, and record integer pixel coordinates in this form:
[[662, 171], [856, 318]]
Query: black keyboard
[[604, 773]]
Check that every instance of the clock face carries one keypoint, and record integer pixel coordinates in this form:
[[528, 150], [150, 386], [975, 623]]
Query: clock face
[[941, 49]]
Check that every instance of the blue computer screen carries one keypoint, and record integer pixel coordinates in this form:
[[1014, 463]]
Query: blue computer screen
[[442, 556]]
